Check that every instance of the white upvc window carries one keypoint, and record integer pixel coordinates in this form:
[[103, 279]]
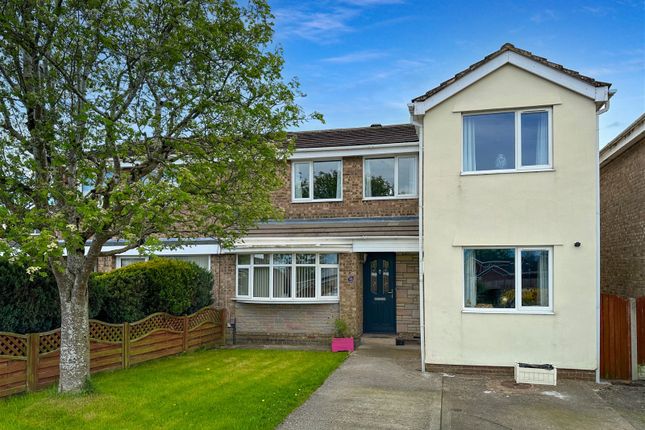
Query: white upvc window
[[390, 177], [202, 261], [319, 180], [288, 277], [126, 261], [507, 141], [508, 279]]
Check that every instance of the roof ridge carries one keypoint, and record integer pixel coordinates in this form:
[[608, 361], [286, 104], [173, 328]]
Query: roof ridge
[[504, 48], [352, 128]]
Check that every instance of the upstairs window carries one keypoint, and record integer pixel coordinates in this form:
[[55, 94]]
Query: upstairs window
[[317, 180], [507, 141], [390, 177]]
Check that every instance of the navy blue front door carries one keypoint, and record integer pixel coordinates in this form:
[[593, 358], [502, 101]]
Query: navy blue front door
[[379, 296]]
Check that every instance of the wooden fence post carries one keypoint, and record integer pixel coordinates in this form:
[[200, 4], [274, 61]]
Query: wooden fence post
[[184, 321], [223, 322], [33, 349], [126, 345]]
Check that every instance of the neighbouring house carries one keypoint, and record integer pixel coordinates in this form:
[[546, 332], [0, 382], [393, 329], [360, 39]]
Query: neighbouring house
[[347, 247], [622, 250], [500, 163], [622, 213]]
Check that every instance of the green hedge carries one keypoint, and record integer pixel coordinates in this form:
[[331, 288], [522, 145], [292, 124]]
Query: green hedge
[[29, 305], [158, 285]]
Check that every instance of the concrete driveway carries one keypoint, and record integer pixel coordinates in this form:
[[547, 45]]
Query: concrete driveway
[[377, 387], [381, 387]]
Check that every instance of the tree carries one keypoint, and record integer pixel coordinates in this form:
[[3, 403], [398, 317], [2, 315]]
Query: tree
[[326, 185], [133, 120]]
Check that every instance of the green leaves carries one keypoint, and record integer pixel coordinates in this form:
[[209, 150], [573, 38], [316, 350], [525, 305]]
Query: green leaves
[[137, 120]]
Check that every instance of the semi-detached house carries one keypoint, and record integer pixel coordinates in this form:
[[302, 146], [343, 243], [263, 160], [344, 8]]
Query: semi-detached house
[[493, 187]]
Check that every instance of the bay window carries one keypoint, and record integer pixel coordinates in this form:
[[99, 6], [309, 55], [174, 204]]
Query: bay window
[[510, 279], [390, 177], [317, 180], [287, 276], [507, 141]]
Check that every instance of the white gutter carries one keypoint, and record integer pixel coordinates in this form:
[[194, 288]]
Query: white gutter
[[422, 332], [354, 150]]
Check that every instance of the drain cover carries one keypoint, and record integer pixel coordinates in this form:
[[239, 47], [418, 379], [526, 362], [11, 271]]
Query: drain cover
[[513, 384]]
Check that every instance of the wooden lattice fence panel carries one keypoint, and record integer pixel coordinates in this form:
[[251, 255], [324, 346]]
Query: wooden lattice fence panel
[[203, 316], [13, 345], [30, 362], [154, 322], [106, 332], [48, 369], [49, 341], [13, 376]]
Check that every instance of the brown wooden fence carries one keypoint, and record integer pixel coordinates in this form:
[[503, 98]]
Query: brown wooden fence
[[29, 362], [615, 337]]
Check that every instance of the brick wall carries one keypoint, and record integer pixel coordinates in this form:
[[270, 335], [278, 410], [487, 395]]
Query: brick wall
[[352, 205], [351, 291], [622, 224], [105, 264], [407, 295], [223, 268], [505, 371], [285, 323]]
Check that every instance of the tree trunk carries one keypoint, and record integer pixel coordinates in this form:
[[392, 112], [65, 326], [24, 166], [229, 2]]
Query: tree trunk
[[74, 339]]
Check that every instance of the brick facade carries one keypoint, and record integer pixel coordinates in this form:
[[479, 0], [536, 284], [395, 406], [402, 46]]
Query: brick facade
[[298, 323], [223, 267], [407, 296], [307, 323], [352, 204], [105, 264], [622, 223], [351, 291], [505, 371]]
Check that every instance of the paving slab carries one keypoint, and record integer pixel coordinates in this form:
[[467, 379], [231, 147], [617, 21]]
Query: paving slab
[[626, 399], [377, 387], [487, 403]]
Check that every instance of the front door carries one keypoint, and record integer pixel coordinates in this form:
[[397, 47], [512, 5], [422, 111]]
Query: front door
[[379, 307]]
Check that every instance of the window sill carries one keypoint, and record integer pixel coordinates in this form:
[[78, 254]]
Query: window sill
[[332, 300], [507, 311], [391, 198], [317, 201], [503, 172]]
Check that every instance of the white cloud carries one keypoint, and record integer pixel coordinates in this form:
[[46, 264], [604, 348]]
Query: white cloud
[[325, 22], [355, 57], [597, 10], [544, 16], [322, 27]]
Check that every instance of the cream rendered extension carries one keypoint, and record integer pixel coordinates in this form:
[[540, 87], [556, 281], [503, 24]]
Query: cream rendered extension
[[548, 208]]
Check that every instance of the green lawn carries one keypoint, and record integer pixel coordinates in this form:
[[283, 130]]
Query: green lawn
[[215, 389]]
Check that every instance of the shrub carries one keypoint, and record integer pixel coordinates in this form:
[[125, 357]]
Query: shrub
[[158, 285], [27, 303], [31, 304], [341, 329]]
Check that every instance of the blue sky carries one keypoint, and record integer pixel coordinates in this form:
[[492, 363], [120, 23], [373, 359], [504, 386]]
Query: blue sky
[[361, 61]]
